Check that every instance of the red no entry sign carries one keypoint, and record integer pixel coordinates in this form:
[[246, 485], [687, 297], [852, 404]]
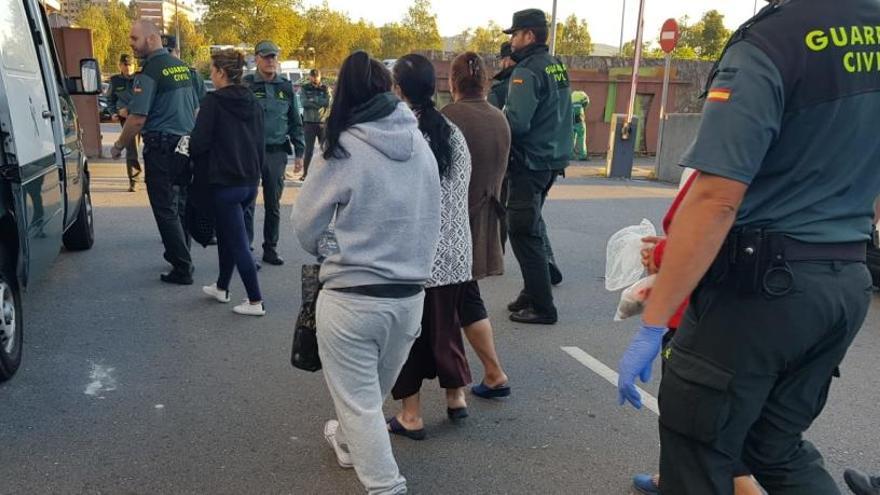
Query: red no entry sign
[[669, 35]]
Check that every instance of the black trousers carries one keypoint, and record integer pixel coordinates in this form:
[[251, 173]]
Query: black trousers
[[746, 375], [313, 131], [527, 232], [273, 188], [132, 164], [166, 177]]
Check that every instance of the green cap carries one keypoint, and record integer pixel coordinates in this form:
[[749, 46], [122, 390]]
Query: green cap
[[267, 47], [530, 18], [506, 50]]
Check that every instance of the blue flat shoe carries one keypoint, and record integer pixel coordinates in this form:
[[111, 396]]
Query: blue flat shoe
[[395, 428], [644, 483], [486, 392]]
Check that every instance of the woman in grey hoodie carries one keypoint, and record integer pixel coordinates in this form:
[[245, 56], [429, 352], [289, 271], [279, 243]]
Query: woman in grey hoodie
[[371, 211]]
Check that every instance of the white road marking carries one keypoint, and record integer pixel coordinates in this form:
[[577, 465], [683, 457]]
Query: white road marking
[[648, 400], [102, 380]]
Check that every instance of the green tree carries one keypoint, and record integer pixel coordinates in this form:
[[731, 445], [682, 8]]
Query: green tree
[[706, 38], [573, 37], [421, 26], [462, 41], [365, 36], [330, 33], [94, 18], [194, 43], [232, 22], [119, 27], [487, 39]]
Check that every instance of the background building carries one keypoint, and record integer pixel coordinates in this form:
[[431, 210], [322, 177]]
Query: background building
[[162, 12], [70, 8]]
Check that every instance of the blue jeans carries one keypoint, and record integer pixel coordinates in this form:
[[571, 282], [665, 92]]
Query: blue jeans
[[233, 246]]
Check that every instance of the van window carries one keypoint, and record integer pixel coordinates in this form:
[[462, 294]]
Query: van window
[[16, 43]]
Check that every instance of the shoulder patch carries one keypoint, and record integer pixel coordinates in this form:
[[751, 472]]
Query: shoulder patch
[[517, 81]]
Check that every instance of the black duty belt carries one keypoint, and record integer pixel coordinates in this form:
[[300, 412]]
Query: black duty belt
[[385, 291], [752, 259]]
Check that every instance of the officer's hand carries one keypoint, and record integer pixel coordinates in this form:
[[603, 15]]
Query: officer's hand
[[637, 361], [123, 112], [115, 152], [298, 165]]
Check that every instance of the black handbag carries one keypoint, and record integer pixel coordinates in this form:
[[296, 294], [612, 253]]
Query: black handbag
[[199, 214], [304, 354]]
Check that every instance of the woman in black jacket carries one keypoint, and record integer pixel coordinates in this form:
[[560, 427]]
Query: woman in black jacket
[[227, 148]]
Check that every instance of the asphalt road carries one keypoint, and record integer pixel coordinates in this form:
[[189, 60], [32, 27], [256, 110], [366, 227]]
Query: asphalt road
[[130, 386]]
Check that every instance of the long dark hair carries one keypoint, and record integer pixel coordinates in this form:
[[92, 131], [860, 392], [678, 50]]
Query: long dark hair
[[360, 79], [414, 75]]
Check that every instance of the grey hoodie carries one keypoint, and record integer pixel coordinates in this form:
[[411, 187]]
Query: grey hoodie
[[383, 203]]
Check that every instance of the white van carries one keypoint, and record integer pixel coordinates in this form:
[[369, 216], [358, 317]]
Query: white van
[[45, 200]]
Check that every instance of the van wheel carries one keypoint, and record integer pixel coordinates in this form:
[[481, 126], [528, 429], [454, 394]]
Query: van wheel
[[11, 327], [81, 235]]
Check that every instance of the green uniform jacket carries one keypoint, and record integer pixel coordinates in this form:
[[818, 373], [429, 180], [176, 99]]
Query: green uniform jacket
[[119, 94], [500, 85], [163, 93], [315, 102], [283, 122], [539, 110], [198, 84]]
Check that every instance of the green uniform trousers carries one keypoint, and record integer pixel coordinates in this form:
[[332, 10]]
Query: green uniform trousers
[[580, 141], [746, 375]]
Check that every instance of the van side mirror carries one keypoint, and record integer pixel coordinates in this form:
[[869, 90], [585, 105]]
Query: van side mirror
[[89, 82]]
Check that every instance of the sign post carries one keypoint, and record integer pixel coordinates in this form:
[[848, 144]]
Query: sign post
[[669, 36]]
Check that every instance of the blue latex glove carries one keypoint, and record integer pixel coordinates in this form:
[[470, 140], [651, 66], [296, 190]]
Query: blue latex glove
[[637, 361]]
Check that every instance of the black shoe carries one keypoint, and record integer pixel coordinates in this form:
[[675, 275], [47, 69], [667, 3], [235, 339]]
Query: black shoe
[[522, 302], [132, 188], [175, 277], [860, 483], [273, 259], [555, 275], [529, 316]]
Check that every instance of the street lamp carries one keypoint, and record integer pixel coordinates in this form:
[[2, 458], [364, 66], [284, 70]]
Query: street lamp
[[622, 27], [553, 31]]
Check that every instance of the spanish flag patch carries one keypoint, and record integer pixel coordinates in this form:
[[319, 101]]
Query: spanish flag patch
[[517, 81], [719, 95]]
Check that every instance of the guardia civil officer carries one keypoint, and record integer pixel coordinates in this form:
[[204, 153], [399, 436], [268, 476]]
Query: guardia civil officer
[[774, 252], [169, 42], [539, 112], [316, 104], [119, 96], [501, 82], [162, 109], [283, 128]]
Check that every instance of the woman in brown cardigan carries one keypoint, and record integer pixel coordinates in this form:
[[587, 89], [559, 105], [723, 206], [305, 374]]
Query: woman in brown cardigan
[[488, 136]]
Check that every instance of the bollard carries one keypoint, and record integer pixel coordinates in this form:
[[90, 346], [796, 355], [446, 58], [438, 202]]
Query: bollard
[[621, 148]]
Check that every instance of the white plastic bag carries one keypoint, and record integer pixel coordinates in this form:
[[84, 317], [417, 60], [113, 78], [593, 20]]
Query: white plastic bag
[[624, 253], [632, 300]]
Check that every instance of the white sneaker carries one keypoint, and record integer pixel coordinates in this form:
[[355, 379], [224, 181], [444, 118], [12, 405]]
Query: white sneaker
[[218, 294], [343, 456], [248, 309]]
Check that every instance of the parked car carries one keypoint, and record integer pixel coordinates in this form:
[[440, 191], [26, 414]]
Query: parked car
[[45, 200]]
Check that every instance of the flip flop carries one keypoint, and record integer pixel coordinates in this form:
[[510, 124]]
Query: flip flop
[[487, 392], [457, 413], [396, 428]]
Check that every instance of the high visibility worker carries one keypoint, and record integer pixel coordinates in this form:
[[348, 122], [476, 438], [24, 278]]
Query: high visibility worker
[[773, 253], [581, 102]]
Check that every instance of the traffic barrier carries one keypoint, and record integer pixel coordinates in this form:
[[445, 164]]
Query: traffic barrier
[[678, 134]]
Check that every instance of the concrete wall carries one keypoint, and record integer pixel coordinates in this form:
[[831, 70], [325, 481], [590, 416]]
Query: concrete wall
[[597, 75], [678, 134]]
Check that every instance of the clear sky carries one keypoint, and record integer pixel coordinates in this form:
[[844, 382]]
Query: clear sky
[[603, 16]]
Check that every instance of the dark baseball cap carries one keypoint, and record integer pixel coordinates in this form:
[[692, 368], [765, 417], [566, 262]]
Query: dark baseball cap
[[315, 73], [506, 50], [266, 47], [125, 58], [169, 42], [530, 18]]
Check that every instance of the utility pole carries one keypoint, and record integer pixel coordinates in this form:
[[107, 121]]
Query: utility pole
[[177, 28], [622, 27], [553, 31], [635, 76]]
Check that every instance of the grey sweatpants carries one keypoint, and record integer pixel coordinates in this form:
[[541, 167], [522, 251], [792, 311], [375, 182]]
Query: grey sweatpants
[[363, 343]]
